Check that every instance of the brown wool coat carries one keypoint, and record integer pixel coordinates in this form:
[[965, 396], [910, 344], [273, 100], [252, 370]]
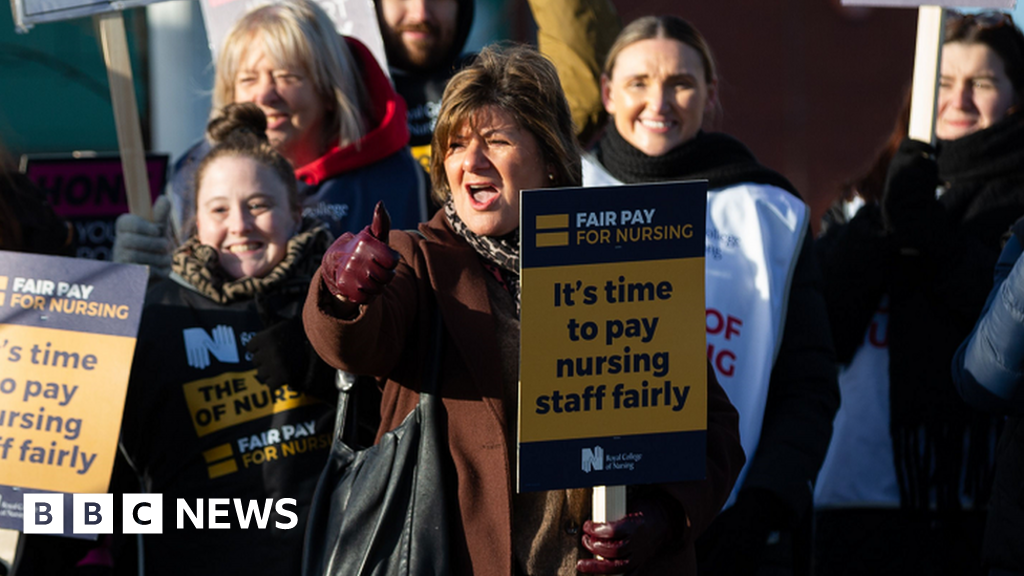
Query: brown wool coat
[[390, 338]]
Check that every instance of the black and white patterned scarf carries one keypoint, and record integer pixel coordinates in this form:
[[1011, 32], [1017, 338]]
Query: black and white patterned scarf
[[500, 253]]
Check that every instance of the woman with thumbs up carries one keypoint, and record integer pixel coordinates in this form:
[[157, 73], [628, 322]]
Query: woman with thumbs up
[[504, 126]]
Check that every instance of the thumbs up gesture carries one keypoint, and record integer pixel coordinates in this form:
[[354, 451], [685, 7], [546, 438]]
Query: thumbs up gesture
[[357, 267]]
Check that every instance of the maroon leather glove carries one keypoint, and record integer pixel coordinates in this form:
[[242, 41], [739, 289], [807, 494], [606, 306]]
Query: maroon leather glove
[[627, 545], [357, 267]]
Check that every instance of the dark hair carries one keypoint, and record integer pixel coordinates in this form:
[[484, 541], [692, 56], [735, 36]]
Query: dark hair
[[523, 83], [27, 221], [997, 31], [241, 130]]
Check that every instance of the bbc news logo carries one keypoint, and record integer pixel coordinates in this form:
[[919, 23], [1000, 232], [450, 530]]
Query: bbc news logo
[[144, 513]]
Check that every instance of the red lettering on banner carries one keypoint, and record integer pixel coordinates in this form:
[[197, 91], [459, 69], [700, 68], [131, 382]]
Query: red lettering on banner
[[715, 323], [724, 361]]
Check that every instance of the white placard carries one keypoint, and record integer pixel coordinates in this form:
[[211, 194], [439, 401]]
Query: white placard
[[356, 18], [29, 12]]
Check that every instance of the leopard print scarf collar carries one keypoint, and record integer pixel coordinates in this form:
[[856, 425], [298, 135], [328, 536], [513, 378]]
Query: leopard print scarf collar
[[500, 252], [199, 266]]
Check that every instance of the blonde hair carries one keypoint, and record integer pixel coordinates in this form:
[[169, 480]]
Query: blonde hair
[[523, 83], [299, 33]]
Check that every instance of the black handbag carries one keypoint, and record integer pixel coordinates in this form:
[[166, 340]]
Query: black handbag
[[383, 511]]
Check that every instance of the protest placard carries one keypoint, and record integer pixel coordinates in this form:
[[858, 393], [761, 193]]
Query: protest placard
[[613, 365], [67, 336], [89, 192], [29, 12]]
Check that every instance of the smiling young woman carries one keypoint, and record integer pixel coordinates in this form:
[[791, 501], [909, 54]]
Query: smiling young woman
[[660, 89], [657, 93], [230, 313], [245, 212]]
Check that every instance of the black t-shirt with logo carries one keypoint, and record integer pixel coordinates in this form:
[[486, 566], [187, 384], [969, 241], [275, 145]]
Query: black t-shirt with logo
[[198, 425]]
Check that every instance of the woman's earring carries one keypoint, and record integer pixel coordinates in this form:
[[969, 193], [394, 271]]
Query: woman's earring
[[551, 176]]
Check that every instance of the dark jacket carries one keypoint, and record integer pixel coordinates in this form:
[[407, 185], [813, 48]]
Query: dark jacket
[[987, 372], [936, 268], [197, 425], [390, 338]]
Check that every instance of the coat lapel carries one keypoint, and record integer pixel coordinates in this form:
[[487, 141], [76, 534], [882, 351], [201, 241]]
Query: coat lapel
[[460, 286]]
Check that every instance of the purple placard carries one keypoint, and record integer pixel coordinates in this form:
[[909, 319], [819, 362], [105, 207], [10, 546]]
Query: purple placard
[[90, 187], [89, 193]]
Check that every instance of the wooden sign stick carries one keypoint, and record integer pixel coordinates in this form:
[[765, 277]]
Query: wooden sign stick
[[126, 113], [609, 503], [931, 22]]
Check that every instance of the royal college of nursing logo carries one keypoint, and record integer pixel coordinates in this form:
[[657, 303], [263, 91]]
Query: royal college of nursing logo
[[593, 459], [199, 345]]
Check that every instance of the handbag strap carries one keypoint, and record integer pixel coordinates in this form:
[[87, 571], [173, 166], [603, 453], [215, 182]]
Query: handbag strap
[[344, 381]]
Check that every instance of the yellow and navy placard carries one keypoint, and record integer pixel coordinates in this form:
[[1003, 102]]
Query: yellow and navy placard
[[613, 365], [67, 336]]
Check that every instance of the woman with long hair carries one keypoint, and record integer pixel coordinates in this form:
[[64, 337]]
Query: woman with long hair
[[905, 485], [767, 331]]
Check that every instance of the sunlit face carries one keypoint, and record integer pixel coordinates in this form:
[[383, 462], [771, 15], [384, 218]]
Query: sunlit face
[[489, 160], [295, 111], [417, 33], [657, 94], [242, 210], [974, 90]]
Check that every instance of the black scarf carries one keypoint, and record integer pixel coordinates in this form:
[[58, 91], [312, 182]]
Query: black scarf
[[719, 158], [996, 152], [941, 447], [499, 253]]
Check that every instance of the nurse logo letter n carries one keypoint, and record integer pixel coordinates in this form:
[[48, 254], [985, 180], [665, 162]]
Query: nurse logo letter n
[[199, 345], [593, 459]]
